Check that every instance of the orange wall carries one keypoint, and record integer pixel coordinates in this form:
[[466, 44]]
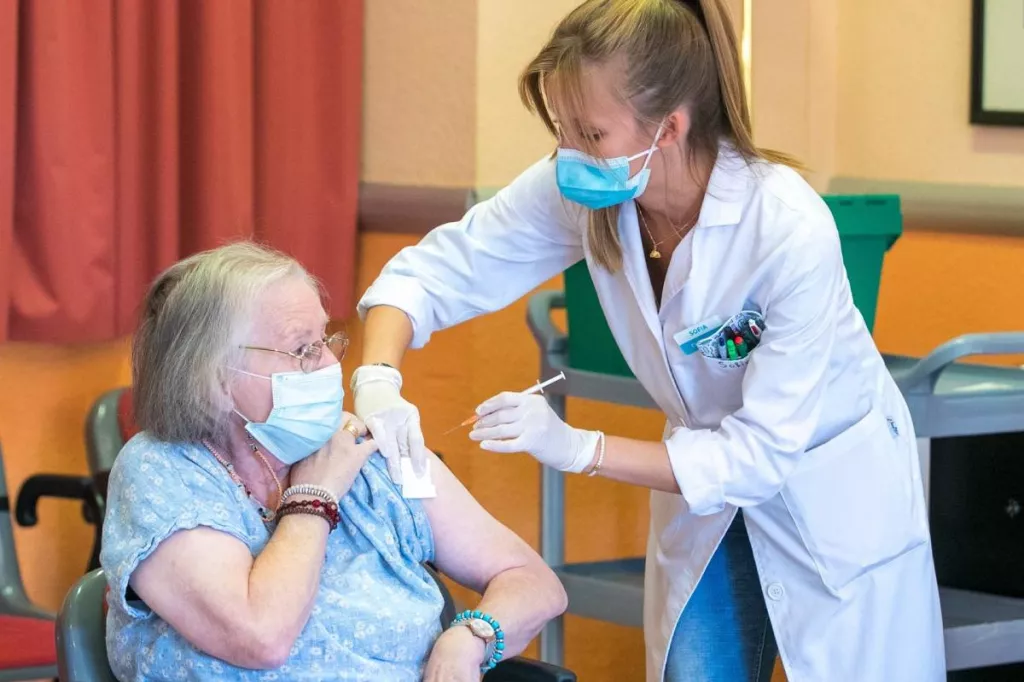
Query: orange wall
[[938, 286]]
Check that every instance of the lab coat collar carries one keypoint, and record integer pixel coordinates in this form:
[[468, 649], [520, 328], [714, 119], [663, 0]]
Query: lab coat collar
[[723, 204], [727, 188]]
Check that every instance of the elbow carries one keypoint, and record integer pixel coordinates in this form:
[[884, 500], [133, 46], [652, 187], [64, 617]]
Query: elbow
[[556, 600], [274, 656], [265, 647], [560, 603], [274, 647]]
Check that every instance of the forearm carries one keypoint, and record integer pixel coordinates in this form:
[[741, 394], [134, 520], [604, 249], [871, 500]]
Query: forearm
[[523, 600], [285, 576], [387, 333], [639, 462], [242, 610]]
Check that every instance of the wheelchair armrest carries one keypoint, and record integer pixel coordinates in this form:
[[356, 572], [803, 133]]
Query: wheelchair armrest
[[527, 670], [62, 486]]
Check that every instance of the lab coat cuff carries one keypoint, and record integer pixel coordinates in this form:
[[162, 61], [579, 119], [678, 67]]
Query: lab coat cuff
[[403, 293], [697, 463]]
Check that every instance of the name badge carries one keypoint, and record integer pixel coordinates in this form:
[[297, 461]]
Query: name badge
[[688, 339]]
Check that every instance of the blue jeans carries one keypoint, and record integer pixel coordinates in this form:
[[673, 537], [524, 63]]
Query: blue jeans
[[724, 634]]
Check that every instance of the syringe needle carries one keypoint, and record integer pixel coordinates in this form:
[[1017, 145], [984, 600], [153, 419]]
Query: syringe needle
[[536, 388]]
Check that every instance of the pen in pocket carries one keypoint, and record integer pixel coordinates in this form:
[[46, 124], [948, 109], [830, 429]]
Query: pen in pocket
[[741, 347], [730, 350]]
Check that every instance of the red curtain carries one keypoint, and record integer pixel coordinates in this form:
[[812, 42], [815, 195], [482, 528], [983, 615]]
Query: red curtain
[[136, 132]]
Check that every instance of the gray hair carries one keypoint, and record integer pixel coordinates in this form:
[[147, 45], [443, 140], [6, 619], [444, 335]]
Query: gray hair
[[195, 319]]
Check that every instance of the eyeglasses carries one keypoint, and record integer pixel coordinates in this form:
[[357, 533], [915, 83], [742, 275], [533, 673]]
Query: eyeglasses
[[309, 356]]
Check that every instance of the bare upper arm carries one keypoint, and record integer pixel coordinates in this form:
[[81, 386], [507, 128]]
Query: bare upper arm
[[471, 546], [197, 580]]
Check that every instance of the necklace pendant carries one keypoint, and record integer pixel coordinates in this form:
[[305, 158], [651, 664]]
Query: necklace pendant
[[655, 254]]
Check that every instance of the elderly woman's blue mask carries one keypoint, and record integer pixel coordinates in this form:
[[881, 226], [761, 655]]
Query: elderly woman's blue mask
[[306, 412]]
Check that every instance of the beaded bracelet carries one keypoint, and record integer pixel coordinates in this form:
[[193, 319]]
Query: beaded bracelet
[[311, 491], [496, 649], [325, 510]]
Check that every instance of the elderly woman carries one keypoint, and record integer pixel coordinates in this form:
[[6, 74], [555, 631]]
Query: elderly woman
[[253, 532]]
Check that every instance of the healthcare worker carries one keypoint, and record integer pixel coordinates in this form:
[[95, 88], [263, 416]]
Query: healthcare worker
[[787, 505]]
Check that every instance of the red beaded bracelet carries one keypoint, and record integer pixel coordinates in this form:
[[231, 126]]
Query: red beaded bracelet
[[325, 510]]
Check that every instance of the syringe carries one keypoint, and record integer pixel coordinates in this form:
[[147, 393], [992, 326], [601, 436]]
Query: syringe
[[536, 388]]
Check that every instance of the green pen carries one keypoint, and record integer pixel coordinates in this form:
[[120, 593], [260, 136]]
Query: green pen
[[730, 349], [741, 347]]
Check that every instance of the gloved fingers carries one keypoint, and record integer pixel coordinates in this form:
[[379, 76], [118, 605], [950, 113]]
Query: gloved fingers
[[402, 439], [385, 439], [500, 401], [498, 432], [505, 415], [417, 446], [503, 446]]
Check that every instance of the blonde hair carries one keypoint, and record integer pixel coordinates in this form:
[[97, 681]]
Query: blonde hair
[[675, 53]]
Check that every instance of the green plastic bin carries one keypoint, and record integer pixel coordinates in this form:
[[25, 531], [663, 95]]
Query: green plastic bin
[[868, 226]]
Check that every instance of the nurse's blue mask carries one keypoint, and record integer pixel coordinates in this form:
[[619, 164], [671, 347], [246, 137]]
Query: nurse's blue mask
[[600, 183], [306, 412]]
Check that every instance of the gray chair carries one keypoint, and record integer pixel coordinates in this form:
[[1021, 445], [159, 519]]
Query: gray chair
[[104, 436], [81, 629], [26, 631], [82, 652], [103, 440]]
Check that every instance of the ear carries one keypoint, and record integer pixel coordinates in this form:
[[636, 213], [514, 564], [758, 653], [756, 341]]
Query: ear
[[675, 128], [222, 390]]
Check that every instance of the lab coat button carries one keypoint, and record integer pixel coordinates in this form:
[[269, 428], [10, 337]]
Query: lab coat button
[[776, 592]]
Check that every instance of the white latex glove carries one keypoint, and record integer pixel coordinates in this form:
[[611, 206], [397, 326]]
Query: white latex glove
[[513, 422], [393, 421]]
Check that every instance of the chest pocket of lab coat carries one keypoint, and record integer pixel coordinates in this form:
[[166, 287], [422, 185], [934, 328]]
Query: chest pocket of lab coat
[[853, 500]]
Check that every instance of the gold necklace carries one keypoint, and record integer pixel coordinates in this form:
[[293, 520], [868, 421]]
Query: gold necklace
[[679, 231], [267, 514]]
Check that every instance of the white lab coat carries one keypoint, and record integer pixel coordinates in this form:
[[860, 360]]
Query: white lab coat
[[808, 434]]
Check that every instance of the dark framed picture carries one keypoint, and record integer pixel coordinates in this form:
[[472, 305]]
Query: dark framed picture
[[997, 62]]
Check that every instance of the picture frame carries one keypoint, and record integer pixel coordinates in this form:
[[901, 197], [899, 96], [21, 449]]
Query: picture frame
[[997, 56]]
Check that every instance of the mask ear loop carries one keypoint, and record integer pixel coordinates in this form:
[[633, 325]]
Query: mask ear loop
[[258, 376], [242, 371], [653, 148]]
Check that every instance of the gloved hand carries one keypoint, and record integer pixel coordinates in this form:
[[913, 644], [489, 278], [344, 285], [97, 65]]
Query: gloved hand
[[513, 422], [393, 421]]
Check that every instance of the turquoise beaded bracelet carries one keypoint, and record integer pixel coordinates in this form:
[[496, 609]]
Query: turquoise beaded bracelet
[[499, 636]]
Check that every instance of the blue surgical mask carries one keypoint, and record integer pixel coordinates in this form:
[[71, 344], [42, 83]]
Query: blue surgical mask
[[306, 412], [600, 183]]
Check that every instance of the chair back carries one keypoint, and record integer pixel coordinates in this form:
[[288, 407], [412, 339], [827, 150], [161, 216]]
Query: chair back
[[12, 590], [81, 632], [107, 428]]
